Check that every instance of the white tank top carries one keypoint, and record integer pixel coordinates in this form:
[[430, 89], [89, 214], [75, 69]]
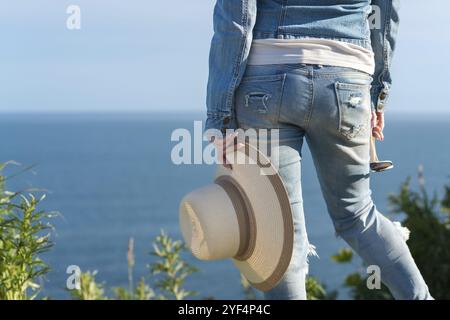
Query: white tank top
[[311, 51]]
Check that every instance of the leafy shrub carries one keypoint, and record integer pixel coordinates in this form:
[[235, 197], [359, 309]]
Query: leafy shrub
[[168, 274], [24, 235], [170, 271], [89, 288]]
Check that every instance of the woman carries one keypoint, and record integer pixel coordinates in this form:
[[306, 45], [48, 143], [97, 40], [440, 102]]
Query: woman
[[316, 70]]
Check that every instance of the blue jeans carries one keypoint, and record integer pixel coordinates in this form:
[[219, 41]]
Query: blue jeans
[[330, 108]]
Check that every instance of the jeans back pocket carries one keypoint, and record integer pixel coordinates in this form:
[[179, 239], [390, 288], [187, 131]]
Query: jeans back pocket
[[354, 108], [258, 100]]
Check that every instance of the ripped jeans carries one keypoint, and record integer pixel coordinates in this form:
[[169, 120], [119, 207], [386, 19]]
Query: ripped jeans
[[330, 108]]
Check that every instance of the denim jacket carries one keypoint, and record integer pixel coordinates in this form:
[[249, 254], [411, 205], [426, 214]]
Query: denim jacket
[[238, 22]]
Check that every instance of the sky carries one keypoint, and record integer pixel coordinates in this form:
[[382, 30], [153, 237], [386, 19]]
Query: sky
[[141, 55]]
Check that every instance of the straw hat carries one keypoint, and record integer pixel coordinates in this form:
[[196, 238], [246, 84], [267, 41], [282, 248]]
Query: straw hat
[[244, 215]]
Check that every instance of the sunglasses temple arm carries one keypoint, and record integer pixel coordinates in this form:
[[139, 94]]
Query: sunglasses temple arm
[[373, 150]]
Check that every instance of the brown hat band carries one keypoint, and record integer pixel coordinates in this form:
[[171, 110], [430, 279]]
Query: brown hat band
[[245, 216]]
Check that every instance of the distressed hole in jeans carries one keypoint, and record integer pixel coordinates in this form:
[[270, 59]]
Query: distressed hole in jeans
[[311, 253], [404, 231], [354, 101], [257, 101], [354, 108]]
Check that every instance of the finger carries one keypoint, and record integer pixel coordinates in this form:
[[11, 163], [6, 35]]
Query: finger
[[373, 119], [380, 135], [220, 141], [377, 129], [380, 120], [376, 133], [238, 146], [377, 136], [380, 125], [230, 139], [234, 144], [224, 146]]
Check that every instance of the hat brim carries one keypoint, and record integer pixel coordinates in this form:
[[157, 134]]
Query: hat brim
[[273, 226]]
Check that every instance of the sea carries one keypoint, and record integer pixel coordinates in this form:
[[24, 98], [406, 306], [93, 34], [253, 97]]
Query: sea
[[111, 178]]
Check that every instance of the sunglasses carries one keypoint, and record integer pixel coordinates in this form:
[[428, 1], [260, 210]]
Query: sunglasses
[[377, 165]]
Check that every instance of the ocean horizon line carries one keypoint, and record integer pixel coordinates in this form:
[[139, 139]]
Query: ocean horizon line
[[187, 114]]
